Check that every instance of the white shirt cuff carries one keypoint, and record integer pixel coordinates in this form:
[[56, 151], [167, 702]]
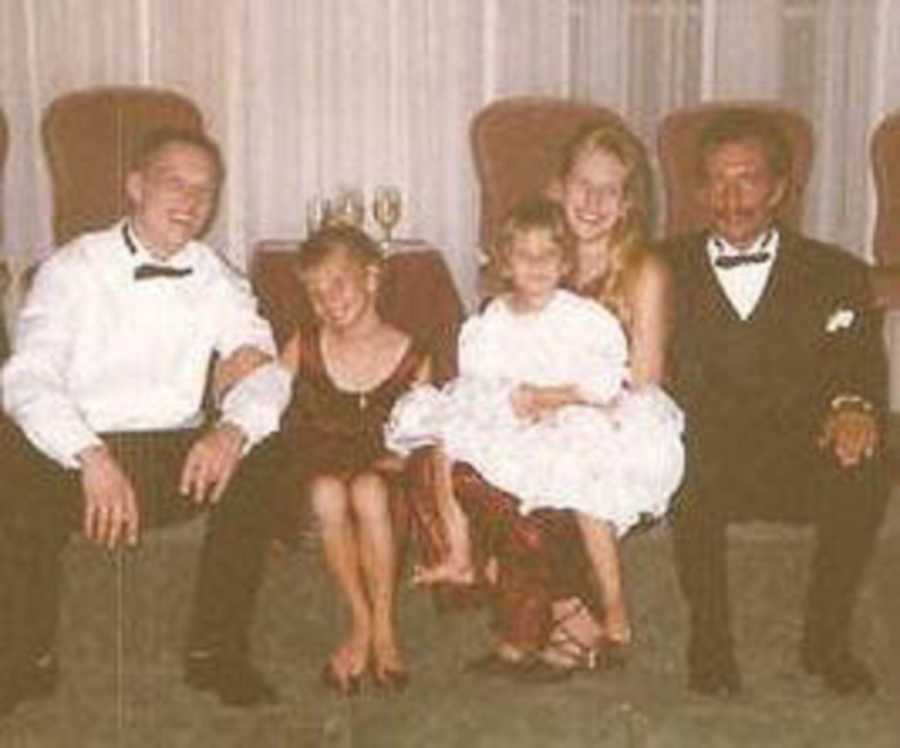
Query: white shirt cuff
[[255, 404], [63, 442]]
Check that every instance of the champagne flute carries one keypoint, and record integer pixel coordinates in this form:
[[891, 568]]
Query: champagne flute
[[386, 210], [318, 209]]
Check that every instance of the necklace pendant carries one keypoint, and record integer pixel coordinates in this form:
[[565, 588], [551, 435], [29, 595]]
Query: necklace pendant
[[362, 401]]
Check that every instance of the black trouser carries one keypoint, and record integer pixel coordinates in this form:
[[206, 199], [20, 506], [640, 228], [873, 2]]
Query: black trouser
[[784, 480], [42, 504]]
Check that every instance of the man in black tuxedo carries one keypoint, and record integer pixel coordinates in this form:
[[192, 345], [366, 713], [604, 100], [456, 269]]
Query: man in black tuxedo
[[779, 366]]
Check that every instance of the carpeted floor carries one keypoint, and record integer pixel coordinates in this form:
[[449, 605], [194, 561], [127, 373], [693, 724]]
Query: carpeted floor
[[123, 624]]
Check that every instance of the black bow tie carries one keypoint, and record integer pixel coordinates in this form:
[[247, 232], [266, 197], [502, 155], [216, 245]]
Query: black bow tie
[[726, 262], [148, 270]]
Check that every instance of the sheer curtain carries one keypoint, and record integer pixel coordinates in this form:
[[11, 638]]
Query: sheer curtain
[[306, 95]]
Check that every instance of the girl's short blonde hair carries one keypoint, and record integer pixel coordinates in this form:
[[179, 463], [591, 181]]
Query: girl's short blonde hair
[[356, 244]]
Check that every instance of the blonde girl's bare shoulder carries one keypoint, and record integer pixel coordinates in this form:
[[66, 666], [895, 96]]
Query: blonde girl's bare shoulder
[[393, 338], [649, 276], [388, 343]]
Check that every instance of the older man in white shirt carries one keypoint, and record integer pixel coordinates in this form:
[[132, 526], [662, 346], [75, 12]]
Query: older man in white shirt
[[104, 393]]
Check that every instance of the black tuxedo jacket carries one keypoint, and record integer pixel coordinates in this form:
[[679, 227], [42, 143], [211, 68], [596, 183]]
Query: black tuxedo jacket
[[767, 382]]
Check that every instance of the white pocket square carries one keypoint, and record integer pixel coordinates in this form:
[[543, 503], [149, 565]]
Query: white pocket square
[[840, 320]]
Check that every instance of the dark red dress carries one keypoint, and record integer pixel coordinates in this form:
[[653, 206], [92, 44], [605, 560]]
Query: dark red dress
[[540, 556], [330, 431], [336, 432]]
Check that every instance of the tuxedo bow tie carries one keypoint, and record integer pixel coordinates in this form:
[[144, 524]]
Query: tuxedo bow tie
[[148, 270], [726, 262]]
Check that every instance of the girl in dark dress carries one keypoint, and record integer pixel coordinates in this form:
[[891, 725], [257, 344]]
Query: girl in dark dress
[[349, 370]]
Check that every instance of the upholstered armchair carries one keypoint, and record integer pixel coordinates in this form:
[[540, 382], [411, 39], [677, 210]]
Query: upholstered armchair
[[4, 268], [417, 295], [885, 155], [517, 145], [90, 138], [4, 145], [677, 143]]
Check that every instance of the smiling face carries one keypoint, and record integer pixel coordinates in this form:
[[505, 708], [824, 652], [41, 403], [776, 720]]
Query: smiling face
[[341, 290], [534, 265], [742, 192], [594, 196], [172, 196]]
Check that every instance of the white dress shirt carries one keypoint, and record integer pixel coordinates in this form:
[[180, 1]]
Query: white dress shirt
[[96, 350], [744, 285]]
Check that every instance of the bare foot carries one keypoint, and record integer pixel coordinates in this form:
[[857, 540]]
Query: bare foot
[[348, 662], [492, 571], [447, 572], [389, 668], [616, 627]]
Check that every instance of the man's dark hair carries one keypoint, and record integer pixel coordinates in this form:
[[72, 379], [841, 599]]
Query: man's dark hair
[[740, 125], [157, 140]]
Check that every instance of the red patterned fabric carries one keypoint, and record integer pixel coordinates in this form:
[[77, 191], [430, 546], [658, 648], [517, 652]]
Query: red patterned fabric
[[540, 556]]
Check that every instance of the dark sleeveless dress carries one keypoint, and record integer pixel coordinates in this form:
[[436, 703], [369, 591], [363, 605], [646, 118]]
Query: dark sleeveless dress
[[336, 432], [329, 431]]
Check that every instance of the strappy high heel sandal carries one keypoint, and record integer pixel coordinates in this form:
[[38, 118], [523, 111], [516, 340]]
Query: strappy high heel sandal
[[566, 646]]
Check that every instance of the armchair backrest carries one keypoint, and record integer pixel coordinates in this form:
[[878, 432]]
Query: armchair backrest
[[4, 146], [4, 141], [4, 270], [517, 145], [417, 295], [90, 138], [885, 155], [679, 156]]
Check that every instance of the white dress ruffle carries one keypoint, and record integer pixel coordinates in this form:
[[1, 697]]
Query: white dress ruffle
[[619, 459]]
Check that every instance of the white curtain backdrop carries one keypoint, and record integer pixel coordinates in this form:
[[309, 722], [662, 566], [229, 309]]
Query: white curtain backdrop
[[307, 95]]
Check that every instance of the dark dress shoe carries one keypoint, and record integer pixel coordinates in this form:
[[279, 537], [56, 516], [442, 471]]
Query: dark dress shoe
[[840, 671], [715, 681], [490, 664], [35, 679], [39, 678], [232, 678], [8, 701], [525, 670]]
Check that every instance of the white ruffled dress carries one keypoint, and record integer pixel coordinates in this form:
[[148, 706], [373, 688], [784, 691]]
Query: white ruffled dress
[[620, 458]]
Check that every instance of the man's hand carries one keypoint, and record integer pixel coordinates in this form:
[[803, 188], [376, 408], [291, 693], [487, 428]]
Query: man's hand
[[211, 462], [851, 433], [110, 506]]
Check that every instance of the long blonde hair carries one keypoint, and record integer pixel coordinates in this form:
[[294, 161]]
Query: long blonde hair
[[628, 240]]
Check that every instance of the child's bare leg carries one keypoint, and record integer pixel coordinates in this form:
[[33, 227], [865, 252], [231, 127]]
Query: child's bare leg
[[329, 499], [603, 552], [456, 567], [370, 499]]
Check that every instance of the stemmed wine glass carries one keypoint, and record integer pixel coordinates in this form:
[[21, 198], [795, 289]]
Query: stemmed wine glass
[[318, 209], [350, 206], [386, 210]]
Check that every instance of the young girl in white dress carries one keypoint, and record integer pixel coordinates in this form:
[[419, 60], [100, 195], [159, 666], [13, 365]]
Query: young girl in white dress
[[543, 410]]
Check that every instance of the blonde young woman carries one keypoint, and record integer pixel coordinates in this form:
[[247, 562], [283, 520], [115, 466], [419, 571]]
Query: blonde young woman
[[605, 193]]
